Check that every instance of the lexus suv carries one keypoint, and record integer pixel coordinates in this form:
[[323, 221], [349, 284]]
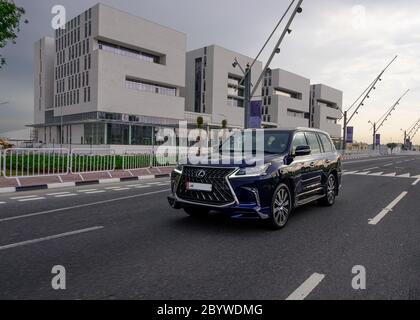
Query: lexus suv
[[299, 166]]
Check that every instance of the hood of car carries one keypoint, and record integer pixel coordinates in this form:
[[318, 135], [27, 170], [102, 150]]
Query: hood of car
[[228, 161]]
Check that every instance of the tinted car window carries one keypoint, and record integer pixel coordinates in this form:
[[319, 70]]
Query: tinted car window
[[313, 143], [298, 140], [326, 142]]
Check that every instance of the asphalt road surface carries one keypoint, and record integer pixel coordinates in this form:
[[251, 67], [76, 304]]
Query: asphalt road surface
[[123, 241]]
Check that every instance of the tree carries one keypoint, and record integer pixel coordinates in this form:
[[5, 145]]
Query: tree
[[200, 122], [10, 16], [224, 124], [392, 146]]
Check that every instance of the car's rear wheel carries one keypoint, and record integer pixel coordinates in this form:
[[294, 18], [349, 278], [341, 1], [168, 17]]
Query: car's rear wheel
[[196, 212], [281, 207], [329, 198]]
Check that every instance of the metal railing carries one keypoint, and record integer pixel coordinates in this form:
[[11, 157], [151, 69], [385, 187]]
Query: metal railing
[[133, 160], [24, 163], [92, 161]]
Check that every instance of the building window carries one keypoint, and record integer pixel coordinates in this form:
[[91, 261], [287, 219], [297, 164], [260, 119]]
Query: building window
[[131, 53], [149, 87], [331, 120], [295, 113], [232, 102], [287, 93], [198, 84]]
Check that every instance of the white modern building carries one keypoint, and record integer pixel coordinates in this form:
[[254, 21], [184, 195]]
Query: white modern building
[[326, 106], [108, 78], [285, 99], [213, 85]]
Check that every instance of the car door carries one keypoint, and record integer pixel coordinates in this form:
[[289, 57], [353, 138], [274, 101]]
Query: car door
[[328, 156], [315, 167], [299, 168]]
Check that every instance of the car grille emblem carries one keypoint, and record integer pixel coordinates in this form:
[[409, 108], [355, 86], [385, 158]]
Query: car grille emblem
[[201, 174]]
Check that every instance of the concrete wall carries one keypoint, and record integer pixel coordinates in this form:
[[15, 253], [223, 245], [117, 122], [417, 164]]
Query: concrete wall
[[219, 66], [320, 95], [278, 110], [44, 53]]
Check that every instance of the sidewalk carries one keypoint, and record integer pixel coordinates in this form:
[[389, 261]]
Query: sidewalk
[[7, 185]]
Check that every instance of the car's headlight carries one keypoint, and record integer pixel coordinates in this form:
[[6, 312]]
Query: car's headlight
[[252, 171], [179, 167]]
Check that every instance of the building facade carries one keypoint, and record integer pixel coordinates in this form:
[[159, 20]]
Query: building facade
[[326, 106], [213, 85], [116, 77], [111, 78], [285, 99]]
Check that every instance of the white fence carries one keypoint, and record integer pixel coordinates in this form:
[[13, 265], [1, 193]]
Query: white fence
[[23, 163], [92, 161]]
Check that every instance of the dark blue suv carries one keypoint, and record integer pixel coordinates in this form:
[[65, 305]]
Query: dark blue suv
[[299, 166]]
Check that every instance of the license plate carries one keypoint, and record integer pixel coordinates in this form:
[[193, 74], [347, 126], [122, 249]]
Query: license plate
[[199, 186]]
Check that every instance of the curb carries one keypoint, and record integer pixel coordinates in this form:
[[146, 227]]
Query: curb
[[80, 183]]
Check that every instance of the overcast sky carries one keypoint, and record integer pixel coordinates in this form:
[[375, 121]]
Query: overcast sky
[[342, 43]]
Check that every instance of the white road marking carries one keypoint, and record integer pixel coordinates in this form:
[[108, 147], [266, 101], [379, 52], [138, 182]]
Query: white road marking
[[112, 188], [82, 206], [416, 182], [57, 236], [370, 169], [23, 197], [388, 209], [389, 164], [350, 172], [407, 175], [87, 190], [121, 189], [142, 187], [363, 173], [57, 193], [31, 199], [307, 287], [66, 195], [95, 192], [390, 174], [2, 202], [153, 183], [376, 174]]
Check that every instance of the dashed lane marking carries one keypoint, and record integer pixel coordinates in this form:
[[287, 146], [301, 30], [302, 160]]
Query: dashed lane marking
[[23, 197], [95, 192], [307, 287], [121, 189], [66, 195], [387, 210], [30, 215], [57, 193], [416, 182], [57, 236], [31, 199], [2, 202], [87, 190]]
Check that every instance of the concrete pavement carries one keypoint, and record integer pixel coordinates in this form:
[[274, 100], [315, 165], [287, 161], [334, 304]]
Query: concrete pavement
[[122, 241]]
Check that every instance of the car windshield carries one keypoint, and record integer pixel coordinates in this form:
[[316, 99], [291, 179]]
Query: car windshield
[[275, 142]]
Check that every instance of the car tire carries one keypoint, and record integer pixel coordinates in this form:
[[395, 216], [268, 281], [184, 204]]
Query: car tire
[[329, 199], [281, 207], [196, 212]]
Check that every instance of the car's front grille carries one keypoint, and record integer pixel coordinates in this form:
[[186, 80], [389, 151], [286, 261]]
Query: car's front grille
[[221, 193]]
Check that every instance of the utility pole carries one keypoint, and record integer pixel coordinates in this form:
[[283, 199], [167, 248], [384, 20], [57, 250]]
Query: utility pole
[[247, 96], [385, 118], [247, 74], [365, 95]]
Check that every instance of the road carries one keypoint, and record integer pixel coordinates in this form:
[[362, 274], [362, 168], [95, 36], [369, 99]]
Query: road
[[123, 241]]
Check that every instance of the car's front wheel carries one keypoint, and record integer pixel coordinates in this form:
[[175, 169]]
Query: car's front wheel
[[329, 198], [281, 207]]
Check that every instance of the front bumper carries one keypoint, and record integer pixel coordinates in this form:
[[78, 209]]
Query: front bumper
[[252, 198]]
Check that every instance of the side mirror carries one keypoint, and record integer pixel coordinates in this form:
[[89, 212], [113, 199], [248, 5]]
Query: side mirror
[[302, 151]]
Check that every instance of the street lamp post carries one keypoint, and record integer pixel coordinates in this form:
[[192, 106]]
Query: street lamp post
[[365, 95]]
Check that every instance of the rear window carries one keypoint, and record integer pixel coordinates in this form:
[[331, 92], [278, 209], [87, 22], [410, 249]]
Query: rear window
[[326, 143]]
